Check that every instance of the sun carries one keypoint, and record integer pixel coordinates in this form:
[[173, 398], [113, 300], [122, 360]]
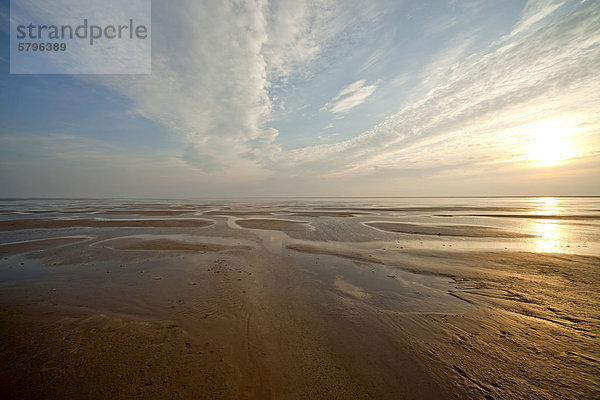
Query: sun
[[549, 144]]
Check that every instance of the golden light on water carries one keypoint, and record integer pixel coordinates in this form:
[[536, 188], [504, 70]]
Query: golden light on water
[[550, 144], [550, 233], [547, 206], [550, 238]]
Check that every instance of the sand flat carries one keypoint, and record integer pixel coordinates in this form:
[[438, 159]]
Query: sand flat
[[93, 223], [352, 255], [153, 213], [330, 309], [169, 245], [33, 245], [447, 230], [272, 224], [238, 213], [240, 332], [532, 216], [255, 327], [436, 208], [318, 214]]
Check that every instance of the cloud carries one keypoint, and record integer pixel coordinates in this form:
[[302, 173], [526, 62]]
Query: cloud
[[349, 97], [534, 13], [400, 80], [216, 70], [543, 73], [219, 69]]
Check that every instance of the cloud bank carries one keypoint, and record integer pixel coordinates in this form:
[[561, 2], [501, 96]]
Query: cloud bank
[[215, 68]]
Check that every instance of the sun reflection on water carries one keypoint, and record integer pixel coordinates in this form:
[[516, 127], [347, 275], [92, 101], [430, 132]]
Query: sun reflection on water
[[547, 206], [550, 237]]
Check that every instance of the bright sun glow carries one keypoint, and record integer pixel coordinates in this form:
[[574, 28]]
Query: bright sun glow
[[550, 144]]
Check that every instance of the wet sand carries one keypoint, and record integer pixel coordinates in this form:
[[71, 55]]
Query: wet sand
[[32, 245], [93, 223], [272, 224], [241, 213], [319, 308], [448, 230], [534, 216], [326, 214], [151, 213], [168, 245]]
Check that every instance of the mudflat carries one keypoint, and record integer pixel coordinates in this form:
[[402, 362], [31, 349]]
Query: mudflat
[[295, 307], [97, 223]]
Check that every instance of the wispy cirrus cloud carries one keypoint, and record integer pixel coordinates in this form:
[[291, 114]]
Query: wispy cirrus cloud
[[349, 97], [545, 72], [535, 12]]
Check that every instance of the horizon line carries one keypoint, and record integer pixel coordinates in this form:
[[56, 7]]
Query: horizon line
[[299, 197]]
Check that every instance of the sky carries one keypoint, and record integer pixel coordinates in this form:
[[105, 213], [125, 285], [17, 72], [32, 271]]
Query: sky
[[320, 98]]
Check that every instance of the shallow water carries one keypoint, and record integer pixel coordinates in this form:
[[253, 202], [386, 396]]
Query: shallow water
[[559, 224]]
